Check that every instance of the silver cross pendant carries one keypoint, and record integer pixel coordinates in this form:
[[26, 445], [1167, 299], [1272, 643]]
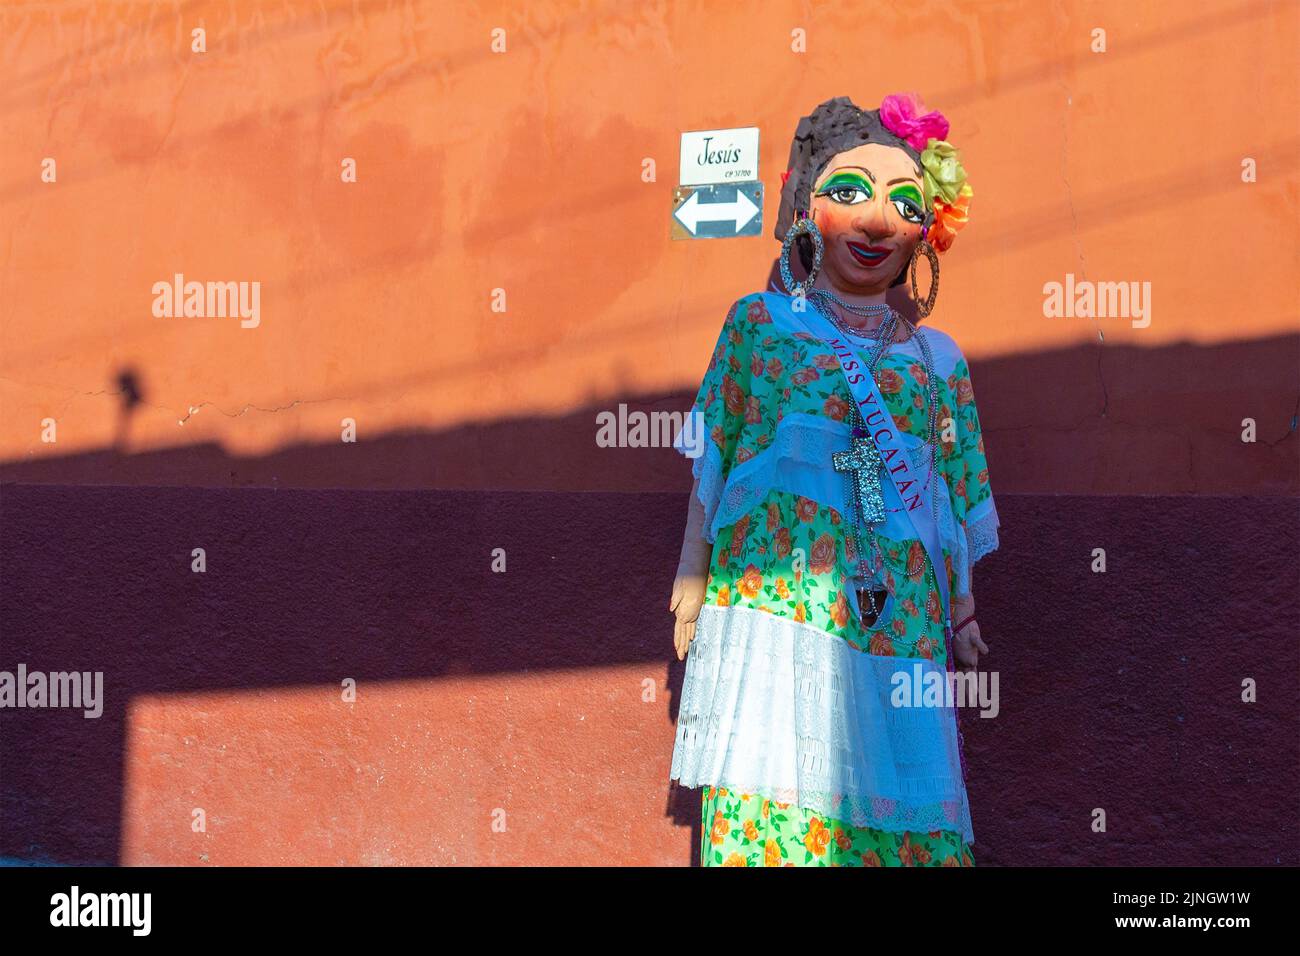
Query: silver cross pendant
[[862, 463]]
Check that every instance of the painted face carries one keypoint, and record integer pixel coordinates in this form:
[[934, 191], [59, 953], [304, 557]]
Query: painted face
[[869, 207]]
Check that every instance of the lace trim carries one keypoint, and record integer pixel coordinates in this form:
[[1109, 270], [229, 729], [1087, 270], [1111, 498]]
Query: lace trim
[[784, 709], [707, 468], [795, 462], [981, 537]]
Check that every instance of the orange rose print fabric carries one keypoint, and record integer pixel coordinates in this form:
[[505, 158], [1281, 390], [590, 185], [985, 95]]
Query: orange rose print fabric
[[791, 556]]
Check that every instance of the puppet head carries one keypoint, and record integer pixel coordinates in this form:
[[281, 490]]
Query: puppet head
[[875, 182]]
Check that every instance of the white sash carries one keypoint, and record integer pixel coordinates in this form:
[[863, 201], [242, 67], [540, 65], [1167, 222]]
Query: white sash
[[913, 489]]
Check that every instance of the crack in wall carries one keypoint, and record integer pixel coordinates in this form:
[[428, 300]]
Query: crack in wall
[[193, 409], [1074, 233]]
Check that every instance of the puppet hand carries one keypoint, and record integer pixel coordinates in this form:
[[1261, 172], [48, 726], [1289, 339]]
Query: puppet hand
[[968, 646], [687, 599]]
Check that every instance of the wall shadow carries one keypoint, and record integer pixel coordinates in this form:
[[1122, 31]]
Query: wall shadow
[[1112, 419], [323, 561]]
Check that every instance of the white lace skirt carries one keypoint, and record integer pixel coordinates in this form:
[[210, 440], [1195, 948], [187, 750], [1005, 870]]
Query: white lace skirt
[[774, 707]]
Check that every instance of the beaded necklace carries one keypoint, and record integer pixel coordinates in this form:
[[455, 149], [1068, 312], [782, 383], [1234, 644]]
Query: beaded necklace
[[888, 328]]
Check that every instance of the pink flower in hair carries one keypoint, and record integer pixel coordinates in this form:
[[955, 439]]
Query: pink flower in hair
[[900, 113]]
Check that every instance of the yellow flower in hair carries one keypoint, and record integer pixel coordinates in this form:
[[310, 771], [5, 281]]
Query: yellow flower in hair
[[941, 171]]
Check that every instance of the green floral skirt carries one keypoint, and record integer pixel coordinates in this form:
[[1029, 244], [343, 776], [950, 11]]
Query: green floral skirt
[[746, 829]]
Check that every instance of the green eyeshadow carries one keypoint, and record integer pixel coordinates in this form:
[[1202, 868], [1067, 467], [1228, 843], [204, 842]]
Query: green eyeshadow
[[909, 192], [842, 179]]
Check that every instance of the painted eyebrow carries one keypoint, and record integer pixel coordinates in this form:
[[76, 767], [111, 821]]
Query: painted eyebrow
[[863, 168], [871, 176]]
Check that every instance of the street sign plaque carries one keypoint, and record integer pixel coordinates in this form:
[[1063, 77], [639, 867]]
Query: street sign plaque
[[718, 210], [719, 156]]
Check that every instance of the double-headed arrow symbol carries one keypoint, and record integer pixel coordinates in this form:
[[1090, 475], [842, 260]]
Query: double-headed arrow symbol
[[693, 212]]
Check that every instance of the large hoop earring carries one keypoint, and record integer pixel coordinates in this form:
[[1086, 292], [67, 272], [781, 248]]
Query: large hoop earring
[[925, 249], [801, 226]]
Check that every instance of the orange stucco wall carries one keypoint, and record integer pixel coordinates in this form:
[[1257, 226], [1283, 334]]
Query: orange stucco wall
[[522, 171]]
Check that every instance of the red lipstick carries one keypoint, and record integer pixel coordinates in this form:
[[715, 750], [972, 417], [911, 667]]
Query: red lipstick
[[869, 255]]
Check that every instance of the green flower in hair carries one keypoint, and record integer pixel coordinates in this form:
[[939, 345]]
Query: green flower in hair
[[941, 171]]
